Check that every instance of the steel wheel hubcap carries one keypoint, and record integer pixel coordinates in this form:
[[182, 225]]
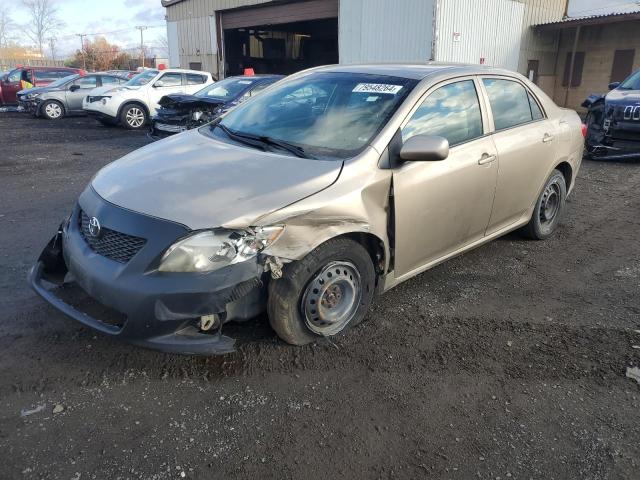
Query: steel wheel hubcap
[[135, 117], [550, 204], [332, 298], [53, 110]]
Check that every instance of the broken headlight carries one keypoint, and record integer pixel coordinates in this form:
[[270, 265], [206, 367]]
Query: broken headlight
[[210, 250]]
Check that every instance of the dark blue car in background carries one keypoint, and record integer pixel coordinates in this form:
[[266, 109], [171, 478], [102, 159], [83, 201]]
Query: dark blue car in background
[[613, 121], [179, 112]]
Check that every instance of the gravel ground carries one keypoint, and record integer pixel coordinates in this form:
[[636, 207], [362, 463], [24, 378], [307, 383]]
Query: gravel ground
[[507, 362]]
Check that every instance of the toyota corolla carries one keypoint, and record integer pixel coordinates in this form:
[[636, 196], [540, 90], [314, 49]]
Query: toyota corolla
[[333, 185]]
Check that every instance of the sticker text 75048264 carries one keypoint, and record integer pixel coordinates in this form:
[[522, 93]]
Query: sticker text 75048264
[[377, 88]]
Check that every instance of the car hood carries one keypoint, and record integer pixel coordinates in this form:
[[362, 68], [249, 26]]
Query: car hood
[[33, 90], [181, 101], [201, 182], [623, 97]]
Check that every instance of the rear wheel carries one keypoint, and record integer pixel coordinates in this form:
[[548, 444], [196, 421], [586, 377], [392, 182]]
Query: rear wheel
[[133, 117], [321, 295], [52, 110], [548, 209]]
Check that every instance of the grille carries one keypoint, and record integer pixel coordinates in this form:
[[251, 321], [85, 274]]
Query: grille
[[111, 244]]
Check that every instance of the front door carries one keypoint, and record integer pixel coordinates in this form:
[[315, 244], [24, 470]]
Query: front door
[[526, 144], [79, 89], [442, 206], [167, 84]]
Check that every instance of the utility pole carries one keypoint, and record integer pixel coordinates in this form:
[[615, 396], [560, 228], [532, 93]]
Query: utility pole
[[84, 58], [52, 47], [142, 29]]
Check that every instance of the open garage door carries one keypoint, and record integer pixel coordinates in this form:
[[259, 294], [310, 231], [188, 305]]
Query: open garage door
[[283, 38]]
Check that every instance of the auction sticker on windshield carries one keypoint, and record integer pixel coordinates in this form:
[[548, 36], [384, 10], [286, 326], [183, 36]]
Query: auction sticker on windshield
[[377, 88]]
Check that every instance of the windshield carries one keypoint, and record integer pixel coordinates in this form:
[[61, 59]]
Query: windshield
[[328, 115], [226, 89], [63, 80], [142, 78], [631, 83]]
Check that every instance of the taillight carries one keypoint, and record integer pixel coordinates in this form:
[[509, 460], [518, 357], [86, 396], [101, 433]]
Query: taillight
[[584, 130]]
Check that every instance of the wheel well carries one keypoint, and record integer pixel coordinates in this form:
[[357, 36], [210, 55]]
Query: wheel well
[[373, 245], [567, 172], [133, 102]]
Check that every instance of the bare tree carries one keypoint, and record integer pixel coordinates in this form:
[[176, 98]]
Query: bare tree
[[6, 27], [44, 21]]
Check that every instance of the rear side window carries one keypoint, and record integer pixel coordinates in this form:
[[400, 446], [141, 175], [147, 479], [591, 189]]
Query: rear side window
[[509, 103], [193, 79], [52, 75], [452, 112]]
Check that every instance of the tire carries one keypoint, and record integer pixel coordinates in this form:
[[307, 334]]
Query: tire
[[52, 110], [344, 274], [133, 117], [549, 208]]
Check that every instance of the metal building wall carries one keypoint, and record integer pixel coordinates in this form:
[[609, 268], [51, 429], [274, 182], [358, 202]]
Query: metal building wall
[[194, 20], [385, 31], [468, 31]]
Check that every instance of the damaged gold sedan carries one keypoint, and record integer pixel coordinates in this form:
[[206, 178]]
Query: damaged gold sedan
[[334, 184]]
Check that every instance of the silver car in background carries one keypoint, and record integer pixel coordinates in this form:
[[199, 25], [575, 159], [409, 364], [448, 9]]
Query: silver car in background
[[64, 97]]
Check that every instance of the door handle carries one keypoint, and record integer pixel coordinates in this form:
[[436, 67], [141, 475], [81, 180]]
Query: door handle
[[486, 158], [547, 138]]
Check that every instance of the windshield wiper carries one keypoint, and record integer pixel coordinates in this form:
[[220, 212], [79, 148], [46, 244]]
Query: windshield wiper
[[238, 137], [265, 140]]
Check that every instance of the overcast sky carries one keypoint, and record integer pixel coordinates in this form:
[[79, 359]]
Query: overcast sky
[[97, 16]]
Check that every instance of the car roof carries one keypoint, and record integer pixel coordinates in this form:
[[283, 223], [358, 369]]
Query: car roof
[[418, 71]]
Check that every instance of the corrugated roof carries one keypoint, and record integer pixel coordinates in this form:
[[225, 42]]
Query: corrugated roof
[[594, 19]]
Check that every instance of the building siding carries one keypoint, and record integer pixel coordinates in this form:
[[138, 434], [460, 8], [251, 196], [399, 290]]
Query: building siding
[[599, 42], [379, 31], [467, 32]]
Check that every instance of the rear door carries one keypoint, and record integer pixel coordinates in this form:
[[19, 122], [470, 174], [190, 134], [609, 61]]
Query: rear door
[[526, 144], [442, 206], [170, 82], [79, 89]]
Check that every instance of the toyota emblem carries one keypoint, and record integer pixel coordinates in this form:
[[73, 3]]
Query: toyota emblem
[[94, 227]]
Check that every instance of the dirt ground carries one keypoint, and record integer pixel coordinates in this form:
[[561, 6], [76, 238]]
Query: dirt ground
[[506, 363]]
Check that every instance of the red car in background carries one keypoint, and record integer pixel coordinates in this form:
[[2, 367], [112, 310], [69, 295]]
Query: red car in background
[[27, 77]]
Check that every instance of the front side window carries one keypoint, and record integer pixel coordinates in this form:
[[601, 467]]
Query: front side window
[[109, 80], [171, 79], [452, 112], [90, 81], [509, 103], [328, 114], [15, 76], [142, 78]]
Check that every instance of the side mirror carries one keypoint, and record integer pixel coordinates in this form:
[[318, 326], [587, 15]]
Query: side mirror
[[159, 83], [73, 88], [614, 85], [425, 148], [5, 77]]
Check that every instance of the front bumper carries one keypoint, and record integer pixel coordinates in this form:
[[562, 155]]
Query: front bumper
[[159, 310]]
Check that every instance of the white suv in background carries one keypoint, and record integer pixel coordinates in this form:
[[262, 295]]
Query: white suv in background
[[133, 103]]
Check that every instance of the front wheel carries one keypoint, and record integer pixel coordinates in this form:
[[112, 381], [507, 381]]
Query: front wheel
[[133, 117], [52, 110], [321, 295], [548, 209]]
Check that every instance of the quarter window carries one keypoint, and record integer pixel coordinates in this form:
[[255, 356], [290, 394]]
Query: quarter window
[[536, 113], [452, 112], [171, 79], [509, 103]]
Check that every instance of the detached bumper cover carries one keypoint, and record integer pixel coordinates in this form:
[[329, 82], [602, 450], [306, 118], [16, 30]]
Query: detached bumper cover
[[160, 310]]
